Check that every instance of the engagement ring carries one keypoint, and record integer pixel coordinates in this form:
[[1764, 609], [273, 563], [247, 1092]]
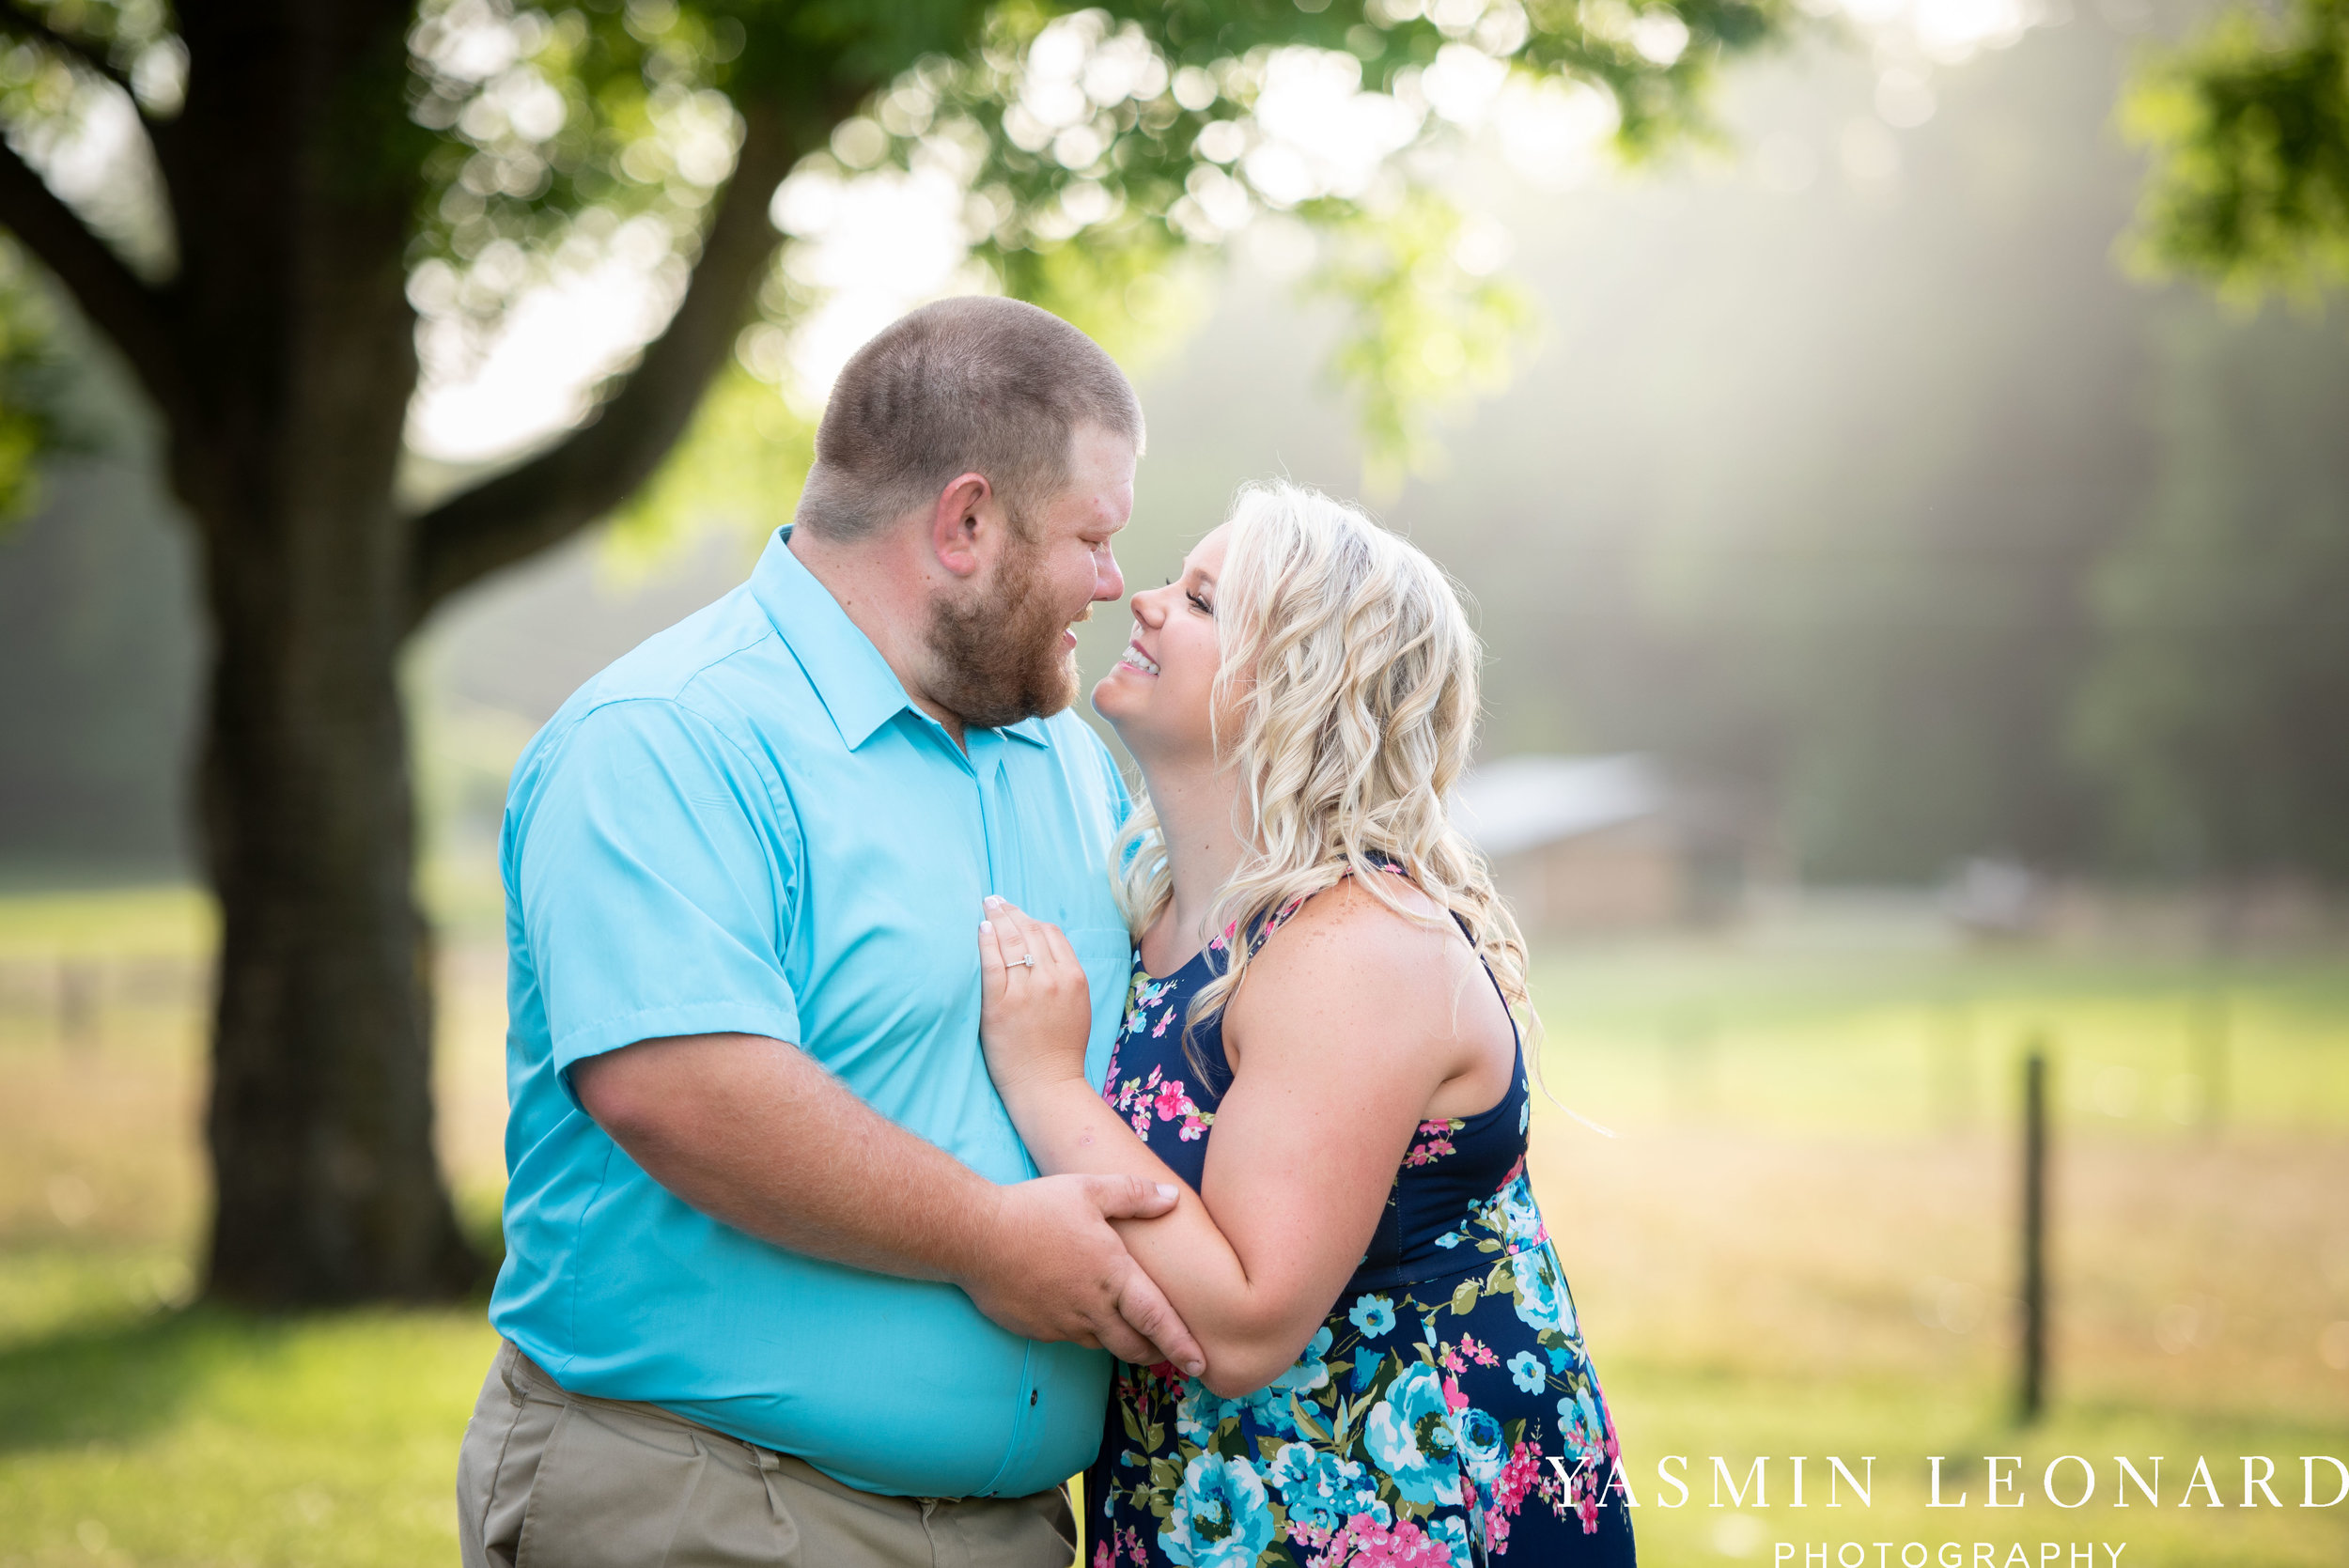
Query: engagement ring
[[1025, 961]]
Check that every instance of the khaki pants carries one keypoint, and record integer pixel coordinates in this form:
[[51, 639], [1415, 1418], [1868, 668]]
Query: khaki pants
[[555, 1480]]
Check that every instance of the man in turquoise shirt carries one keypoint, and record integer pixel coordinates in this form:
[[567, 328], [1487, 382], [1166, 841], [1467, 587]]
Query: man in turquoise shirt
[[780, 1282]]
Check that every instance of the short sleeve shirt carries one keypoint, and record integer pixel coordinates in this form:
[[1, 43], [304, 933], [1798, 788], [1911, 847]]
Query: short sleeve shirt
[[745, 826]]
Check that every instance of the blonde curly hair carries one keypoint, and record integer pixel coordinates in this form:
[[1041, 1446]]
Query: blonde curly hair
[[1353, 670]]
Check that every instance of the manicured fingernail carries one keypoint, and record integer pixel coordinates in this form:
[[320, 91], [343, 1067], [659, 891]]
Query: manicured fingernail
[[1165, 1191], [991, 901], [1194, 1367], [986, 926]]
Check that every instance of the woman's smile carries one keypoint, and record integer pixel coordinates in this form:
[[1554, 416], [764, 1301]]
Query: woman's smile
[[1134, 659]]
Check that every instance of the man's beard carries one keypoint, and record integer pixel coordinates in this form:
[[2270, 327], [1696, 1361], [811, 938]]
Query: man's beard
[[998, 654]]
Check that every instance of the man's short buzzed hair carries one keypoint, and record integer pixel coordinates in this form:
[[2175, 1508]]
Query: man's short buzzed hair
[[974, 384]]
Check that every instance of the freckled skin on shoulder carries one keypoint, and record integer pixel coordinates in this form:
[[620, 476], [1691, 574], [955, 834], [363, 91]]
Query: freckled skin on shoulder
[[1397, 983]]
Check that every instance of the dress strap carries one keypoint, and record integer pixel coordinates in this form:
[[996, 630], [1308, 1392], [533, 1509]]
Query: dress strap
[[1280, 917]]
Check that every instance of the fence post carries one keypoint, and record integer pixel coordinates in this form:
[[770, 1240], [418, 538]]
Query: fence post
[[2034, 1349]]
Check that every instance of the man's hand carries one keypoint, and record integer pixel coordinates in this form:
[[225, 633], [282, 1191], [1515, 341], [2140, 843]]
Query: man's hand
[[1049, 1265]]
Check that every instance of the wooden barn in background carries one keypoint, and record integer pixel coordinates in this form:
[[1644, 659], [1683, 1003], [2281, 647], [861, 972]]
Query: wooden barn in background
[[1587, 844]]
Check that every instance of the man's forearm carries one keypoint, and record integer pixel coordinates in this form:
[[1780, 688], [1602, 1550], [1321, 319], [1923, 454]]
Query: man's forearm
[[755, 1133], [1250, 1334]]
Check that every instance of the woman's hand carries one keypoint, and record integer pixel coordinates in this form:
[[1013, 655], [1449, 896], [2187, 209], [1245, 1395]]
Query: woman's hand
[[1035, 1017]]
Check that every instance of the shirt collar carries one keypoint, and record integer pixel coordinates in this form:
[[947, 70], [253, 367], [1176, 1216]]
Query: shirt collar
[[852, 678], [1029, 730]]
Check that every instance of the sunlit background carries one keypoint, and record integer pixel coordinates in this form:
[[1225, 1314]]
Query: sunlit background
[[1914, 641]]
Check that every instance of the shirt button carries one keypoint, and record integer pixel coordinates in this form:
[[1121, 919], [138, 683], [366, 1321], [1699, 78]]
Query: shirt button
[[1031, 1393]]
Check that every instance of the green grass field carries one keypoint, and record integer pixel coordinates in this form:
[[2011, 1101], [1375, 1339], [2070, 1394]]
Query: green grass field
[[1799, 1242]]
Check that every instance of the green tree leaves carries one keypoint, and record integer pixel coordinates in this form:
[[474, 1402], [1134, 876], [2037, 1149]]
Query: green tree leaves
[[34, 422], [2248, 127]]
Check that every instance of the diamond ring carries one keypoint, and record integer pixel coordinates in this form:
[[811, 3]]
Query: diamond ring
[[1025, 961]]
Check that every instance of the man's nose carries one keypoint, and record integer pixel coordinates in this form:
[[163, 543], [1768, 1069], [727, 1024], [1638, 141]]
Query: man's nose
[[1109, 583]]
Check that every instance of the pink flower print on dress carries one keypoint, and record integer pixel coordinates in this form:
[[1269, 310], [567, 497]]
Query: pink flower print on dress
[[1477, 1351], [1517, 1477], [1167, 1018], [1364, 1543], [1451, 1360], [1172, 1102], [1434, 1142]]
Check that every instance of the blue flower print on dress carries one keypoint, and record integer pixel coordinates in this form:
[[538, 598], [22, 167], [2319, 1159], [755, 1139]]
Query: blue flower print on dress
[[1322, 1491], [1410, 1437], [1452, 1531], [1525, 1370], [1482, 1447], [1578, 1423], [1510, 1219], [1200, 1410], [1540, 1303], [1309, 1372], [1520, 1217], [1374, 1315], [1221, 1517], [1270, 1405]]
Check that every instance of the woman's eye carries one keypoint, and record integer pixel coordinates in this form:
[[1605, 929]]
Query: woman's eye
[[1201, 605]]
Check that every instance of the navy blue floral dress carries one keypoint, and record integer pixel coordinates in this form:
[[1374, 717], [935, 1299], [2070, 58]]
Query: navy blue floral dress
[[1445, 1414]]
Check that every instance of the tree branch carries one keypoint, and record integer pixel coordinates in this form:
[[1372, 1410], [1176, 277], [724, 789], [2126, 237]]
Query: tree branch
[[127, 310], [599, 465], [18, 18]]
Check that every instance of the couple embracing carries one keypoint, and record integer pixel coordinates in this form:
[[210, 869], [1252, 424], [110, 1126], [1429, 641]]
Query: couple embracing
[[904, 1119]]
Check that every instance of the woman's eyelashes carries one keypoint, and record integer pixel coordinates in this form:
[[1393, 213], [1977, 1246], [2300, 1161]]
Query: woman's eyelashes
[[1197, 601]]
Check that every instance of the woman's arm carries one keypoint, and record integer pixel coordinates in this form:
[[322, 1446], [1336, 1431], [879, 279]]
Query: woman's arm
[[1343, 1034]]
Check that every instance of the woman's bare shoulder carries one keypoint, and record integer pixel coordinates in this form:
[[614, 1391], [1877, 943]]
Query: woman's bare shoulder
[[1348, 931]]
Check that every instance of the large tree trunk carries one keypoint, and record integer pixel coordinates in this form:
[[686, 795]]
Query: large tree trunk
[[293, 278], [321, 1123], [282, 356]]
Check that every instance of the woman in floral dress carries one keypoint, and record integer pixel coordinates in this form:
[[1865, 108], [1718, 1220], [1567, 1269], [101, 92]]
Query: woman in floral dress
[[1395, 1373]]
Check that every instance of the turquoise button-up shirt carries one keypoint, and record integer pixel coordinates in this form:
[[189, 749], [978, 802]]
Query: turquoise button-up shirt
[[745, 825]]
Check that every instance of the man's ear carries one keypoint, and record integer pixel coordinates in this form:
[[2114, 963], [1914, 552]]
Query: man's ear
[[957, 521]]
